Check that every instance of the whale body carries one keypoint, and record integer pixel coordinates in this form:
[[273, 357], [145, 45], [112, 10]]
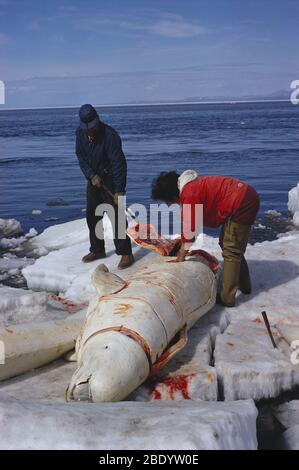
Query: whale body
[[134, 327]]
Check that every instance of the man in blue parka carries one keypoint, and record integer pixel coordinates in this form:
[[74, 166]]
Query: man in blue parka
[[102, 161]]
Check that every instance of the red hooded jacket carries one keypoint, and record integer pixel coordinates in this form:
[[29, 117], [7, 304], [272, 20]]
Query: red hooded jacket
[[221, 197]]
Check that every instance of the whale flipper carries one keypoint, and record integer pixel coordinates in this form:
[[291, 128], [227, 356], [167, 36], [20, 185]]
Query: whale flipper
[[106, 283]]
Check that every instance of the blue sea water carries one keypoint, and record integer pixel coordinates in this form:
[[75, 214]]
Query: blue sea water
[[257, 142]]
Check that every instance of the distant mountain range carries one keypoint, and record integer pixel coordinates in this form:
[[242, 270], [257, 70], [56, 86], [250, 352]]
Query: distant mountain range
[[281, 95]]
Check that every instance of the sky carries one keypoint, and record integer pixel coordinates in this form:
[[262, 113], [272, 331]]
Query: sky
[[62, 52]]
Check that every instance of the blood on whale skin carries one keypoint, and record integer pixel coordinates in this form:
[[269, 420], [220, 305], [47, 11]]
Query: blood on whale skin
[[134, 327]]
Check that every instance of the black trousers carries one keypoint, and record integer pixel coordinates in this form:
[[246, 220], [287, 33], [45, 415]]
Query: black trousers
[[96, 196]]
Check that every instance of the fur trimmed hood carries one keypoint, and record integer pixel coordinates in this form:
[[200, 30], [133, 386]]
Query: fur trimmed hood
[[186, 177]]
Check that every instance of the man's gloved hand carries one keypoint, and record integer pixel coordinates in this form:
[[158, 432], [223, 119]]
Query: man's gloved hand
[[118, 199], [96, 181]]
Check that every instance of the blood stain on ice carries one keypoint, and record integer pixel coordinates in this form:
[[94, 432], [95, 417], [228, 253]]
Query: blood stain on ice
[[173, 386]]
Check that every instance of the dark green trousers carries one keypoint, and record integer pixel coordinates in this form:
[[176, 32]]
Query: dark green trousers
[[233, 241]]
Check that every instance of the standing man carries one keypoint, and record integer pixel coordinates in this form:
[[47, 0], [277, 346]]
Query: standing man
[[102, 161], [225, 201]]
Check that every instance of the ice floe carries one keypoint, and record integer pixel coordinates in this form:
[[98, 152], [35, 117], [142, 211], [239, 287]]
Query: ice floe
[[246, 363], [31, 345], [10, 265], [9, 227], [288, 416], [250, 368], [62, 235], [293, 204], [15, 242], [47, 383], [189, 425], [273, 213], [62, 270], [275, 268], [229, 350], [20, 305]]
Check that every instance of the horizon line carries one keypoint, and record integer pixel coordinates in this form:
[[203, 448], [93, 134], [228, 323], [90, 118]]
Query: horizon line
[[161, 103]]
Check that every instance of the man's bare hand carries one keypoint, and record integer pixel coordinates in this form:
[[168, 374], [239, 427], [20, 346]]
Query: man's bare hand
[[96, 181], [182, 253]]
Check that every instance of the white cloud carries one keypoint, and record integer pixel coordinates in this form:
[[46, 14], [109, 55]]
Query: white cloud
[[166, 24], [153, 22], [176, 29], [173, 25]]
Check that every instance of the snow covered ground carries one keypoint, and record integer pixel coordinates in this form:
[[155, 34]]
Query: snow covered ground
[[229, 354], [19, 305], [188, 426], [244, 350], [62, 271], [11, 265], [246, 362]]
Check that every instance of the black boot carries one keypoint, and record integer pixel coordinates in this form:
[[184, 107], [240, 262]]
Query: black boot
[[244, 281]]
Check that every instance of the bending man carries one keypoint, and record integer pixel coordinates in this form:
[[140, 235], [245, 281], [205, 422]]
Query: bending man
[[225, 201]]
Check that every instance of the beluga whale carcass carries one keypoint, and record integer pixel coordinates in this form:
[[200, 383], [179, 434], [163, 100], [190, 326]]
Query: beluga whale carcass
[[134, 327]]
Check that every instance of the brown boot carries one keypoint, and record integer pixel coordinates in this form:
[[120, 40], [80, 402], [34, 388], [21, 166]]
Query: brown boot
[[93, 257], [230, 281], [219, 301], [126, 261]]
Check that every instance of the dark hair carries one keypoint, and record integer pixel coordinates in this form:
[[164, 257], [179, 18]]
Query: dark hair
[[165, 186]]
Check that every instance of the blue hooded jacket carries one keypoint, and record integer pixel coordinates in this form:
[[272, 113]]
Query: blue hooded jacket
[[104, 157]]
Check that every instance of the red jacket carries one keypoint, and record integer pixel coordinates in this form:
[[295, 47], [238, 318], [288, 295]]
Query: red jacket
[[221, 197]]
